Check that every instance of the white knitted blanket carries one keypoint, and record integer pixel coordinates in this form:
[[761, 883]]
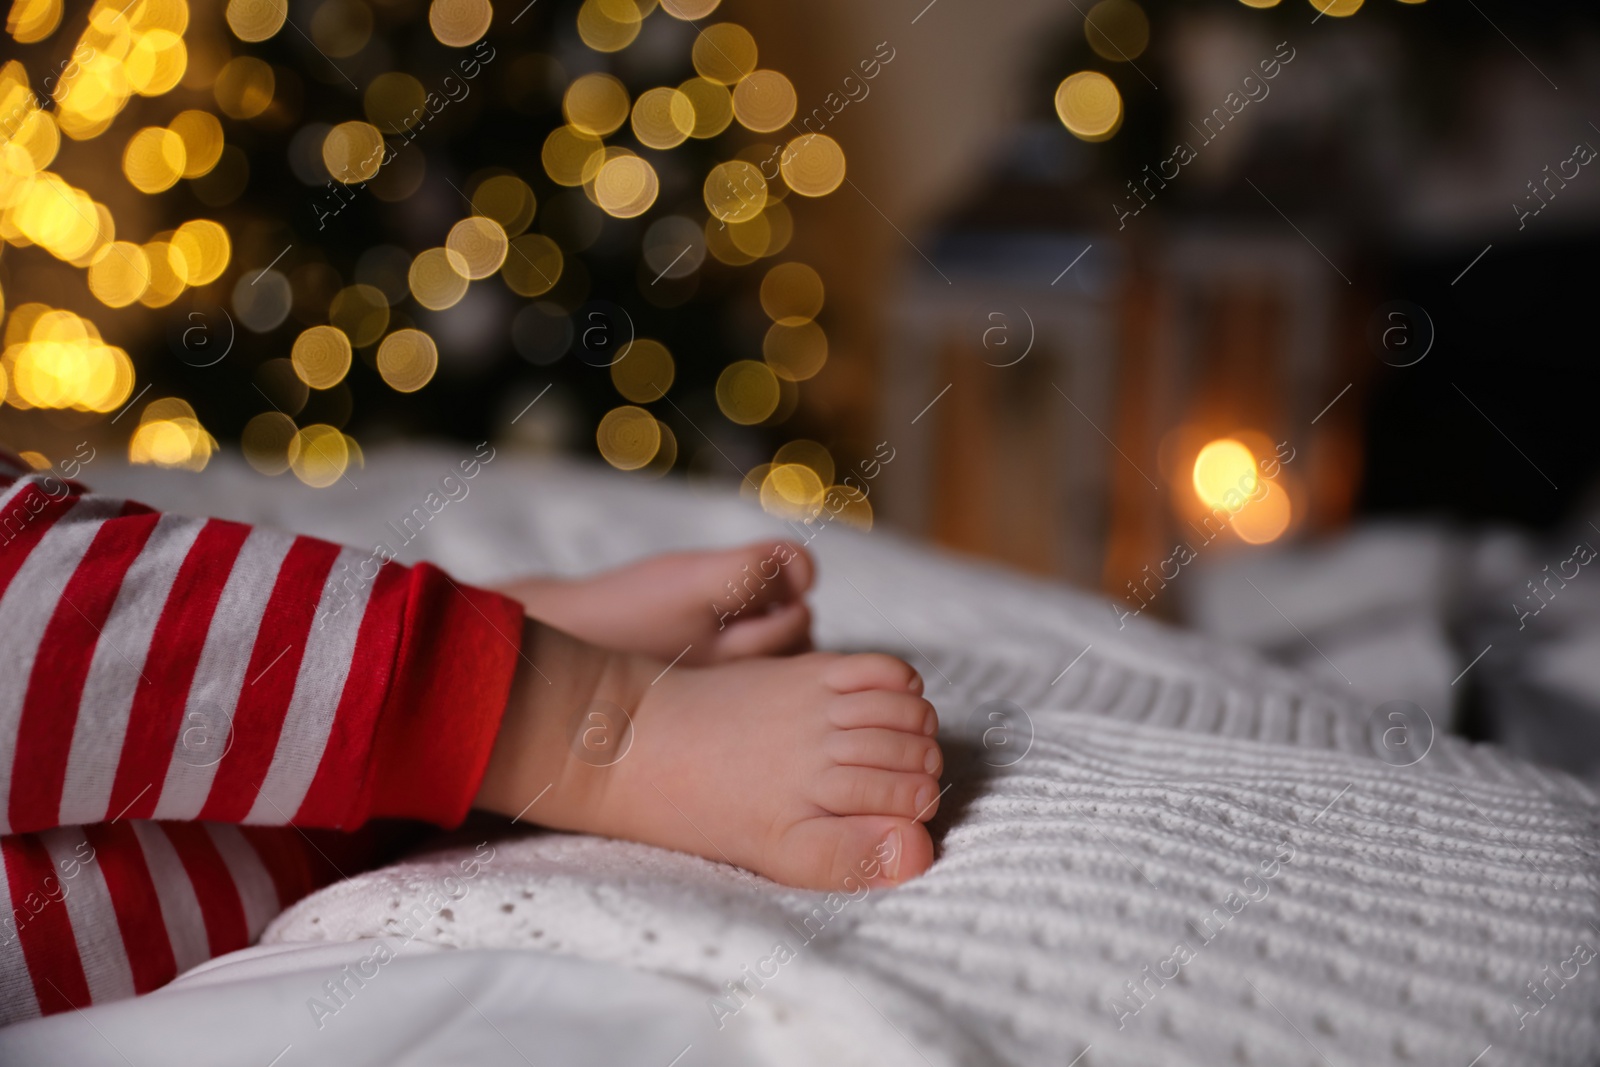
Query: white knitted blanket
[[1167, 853]]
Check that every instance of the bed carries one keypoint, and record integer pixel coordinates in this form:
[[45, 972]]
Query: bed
[[1154, 850]]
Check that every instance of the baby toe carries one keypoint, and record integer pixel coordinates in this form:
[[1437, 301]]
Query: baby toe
[[871, 670], [869, 791], [763, 574], [889, 750], [828, 853], [782, 631], [886, 710]]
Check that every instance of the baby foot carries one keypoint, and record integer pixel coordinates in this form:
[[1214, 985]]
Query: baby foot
[[810, 770], [720, 604]]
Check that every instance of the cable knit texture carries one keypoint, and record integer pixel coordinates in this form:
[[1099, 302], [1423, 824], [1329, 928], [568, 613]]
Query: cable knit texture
[[1168, 853], [1108, 889]]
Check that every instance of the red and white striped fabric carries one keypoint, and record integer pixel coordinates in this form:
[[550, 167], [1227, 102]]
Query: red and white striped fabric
[[181, 700]]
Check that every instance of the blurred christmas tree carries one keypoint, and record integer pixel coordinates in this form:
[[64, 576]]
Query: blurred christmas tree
[[390, 219]]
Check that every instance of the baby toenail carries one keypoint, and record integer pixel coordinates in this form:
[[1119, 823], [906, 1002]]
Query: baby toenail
[[889, 854], [931, 762], [925, 797], [930, 723]]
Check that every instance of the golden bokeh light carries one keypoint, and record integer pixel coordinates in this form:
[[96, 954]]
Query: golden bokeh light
[[813, 164], [645, 372], [438, 278], [394, 101], [244, 87], [407, 360], [321, 356], [1117, 30], [795, 351], [780, 225], [753, 237], [629, 437], [750, 487], [361, 312], [36, 134], [146, 49], [156, 62], [1337, 8], [810, 453], [608, 25], [720, 243], [481, 243], [270, 442], [171, 15], [169, 273], [792, 293], [663, 118], [170, 435], [764, 101], [571, 156], [626, 186], [1224, 474], [119, 274], [689, 10], [58, 217], [353, 151], [55, 359], [596, 104], [320, 455], [205, 245], [667, 455], [341, 28], [735, 191], [533, 265], [713, 107], [1089, 105], [766, 156], [747, 392], [1263, 3], [1262, 521], [31, 21], [256, 20], [848, 504], [506, 199], [458, 23], [791, 491], [154, 159], [627, 10], [724, 53], [201, 134], [24, 318]]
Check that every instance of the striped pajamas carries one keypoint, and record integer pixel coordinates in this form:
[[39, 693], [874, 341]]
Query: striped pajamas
[[195, 722]]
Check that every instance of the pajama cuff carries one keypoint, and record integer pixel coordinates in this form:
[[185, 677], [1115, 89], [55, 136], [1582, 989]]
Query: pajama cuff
[[459, 649]]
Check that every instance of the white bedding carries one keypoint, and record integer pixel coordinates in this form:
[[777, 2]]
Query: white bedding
[[1122, 808]]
